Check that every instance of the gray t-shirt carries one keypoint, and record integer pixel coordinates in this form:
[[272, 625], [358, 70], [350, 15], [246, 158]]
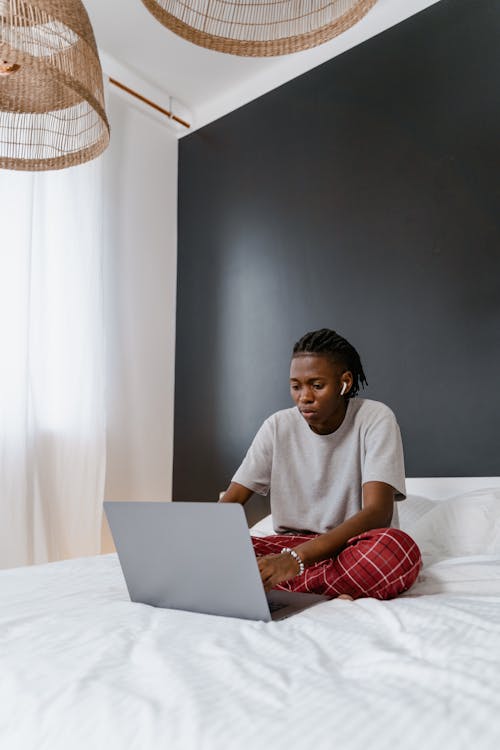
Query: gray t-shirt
[[316, 480]]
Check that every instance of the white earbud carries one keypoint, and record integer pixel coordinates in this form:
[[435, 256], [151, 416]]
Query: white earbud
[[343, 389]]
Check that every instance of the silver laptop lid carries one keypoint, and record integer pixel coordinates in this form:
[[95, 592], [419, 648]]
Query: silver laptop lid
[[192, 556]]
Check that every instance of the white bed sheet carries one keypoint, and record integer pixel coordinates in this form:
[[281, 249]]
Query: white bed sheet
[[83, 667]]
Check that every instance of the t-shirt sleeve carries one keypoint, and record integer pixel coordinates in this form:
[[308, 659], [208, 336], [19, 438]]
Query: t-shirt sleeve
[[255, 470], [383, 460]]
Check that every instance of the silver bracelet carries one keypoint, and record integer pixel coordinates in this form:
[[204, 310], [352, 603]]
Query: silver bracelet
[[295, 556]]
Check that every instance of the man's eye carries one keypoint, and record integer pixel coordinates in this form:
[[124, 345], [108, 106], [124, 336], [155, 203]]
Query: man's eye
[[294, 387], [318, 386]]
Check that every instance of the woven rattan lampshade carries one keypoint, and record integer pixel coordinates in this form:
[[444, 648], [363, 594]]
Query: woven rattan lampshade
[[258, 28], [51, 91]]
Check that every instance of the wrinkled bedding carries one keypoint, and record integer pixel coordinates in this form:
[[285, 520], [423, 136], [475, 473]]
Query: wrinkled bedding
[[83, 667]]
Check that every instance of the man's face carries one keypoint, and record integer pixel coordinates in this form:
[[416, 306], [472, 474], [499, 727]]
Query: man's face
[[315, 385]]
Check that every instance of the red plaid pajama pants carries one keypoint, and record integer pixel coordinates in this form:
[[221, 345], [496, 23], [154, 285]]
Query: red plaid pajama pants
[[381, 563]]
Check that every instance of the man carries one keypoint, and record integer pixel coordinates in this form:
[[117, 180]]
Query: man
[[334, 466]]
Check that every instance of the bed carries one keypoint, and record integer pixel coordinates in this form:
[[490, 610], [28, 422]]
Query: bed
[[83, 667]]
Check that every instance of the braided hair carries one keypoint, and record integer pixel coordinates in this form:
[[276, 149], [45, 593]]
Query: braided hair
[[330, 344]]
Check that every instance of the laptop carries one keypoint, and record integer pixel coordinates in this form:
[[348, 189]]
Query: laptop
[[196, 556]]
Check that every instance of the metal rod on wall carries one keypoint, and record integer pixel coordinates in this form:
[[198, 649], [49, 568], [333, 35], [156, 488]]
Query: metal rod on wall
[[149, 103]]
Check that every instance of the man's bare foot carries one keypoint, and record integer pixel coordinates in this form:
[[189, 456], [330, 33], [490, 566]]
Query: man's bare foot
[[345, 596]]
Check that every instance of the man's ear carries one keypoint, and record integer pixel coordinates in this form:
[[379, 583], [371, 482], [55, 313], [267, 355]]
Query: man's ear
[[346, 381]]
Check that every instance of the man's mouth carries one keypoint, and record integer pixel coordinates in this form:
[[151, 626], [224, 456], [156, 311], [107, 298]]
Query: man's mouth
[[307, 412]]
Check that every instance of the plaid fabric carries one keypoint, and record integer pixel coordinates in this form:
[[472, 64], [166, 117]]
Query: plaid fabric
[[381, 563]]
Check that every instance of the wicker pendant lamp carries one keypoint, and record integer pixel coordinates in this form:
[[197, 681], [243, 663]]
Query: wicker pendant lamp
[[258, 28], [51, 92]]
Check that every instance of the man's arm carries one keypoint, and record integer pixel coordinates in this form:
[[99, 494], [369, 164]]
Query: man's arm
[[236, 493], [378, 503]]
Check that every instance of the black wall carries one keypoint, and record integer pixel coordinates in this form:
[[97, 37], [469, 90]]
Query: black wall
[[363, 196]]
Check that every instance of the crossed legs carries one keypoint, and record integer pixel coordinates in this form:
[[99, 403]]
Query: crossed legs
[[381, 563]]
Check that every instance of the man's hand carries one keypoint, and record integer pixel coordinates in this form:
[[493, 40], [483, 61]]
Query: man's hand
[[275, 569]]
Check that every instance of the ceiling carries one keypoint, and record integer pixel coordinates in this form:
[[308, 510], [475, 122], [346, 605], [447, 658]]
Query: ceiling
[[198, 84]]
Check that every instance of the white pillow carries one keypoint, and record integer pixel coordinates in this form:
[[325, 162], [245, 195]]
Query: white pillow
[[263, 528], [468, 524], [412, 509]]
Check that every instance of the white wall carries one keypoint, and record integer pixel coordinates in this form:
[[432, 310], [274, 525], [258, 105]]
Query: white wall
[[140, 286]]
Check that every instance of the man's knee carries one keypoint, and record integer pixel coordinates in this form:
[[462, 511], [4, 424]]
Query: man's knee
[[384, 562]]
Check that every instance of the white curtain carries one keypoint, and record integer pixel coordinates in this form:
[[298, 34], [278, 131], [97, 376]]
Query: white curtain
[[52, 414]]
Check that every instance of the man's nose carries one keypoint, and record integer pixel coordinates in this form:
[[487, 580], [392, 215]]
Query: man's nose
[[306, 396]]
